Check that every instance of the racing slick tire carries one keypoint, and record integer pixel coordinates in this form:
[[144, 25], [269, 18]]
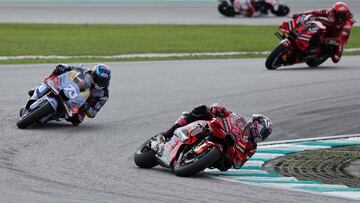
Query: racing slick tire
[[272, 62], [197, 164], [316, 62], [35, 115], [283, 10], [226, 10], [144, 156]]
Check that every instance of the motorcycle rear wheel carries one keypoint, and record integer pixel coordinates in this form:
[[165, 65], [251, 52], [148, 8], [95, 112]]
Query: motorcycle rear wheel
[[283, 10], [35, 115], [316, 62], [272, 61], [144, 156], [199, 163]]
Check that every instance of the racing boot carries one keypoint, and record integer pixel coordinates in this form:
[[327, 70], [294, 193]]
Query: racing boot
[[76, 119]]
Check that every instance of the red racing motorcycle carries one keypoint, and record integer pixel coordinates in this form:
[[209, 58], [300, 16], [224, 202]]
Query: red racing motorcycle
[[194, 147], [226, 8], [302, 41]]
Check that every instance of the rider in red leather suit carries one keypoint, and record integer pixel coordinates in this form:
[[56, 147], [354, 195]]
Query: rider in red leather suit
[[338, 21], [257, 129]]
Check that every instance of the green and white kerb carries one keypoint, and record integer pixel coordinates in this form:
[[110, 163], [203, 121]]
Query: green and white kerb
[[252, 172]]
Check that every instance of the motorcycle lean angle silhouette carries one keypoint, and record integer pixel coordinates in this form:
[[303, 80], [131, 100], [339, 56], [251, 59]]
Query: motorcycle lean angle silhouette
[[195, 147], [225, 8], [67, 93], [301, 42]]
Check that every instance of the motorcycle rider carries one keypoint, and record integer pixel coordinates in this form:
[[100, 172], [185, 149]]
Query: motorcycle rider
[[98, 76], [338, 21], [257, 129]]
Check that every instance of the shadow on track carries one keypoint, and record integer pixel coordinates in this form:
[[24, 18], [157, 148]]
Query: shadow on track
[[62, 126], [168, 171], [270, 16], [324, 68]]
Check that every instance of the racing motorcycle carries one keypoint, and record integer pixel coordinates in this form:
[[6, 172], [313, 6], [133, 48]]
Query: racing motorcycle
[[66, 94], [194, 147], [302, 40], [226, 8]]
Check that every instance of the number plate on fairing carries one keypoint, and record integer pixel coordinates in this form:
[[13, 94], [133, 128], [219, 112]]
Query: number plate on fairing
[[75, 87]]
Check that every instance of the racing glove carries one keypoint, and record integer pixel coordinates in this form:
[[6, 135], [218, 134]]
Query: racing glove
[[60, 69]]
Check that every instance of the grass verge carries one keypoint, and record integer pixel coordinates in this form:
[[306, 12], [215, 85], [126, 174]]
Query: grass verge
[[107, 40]]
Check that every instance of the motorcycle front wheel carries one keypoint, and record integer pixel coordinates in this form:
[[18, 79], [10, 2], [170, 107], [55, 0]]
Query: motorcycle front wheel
[[144, 156], [190, 164], [226, 10], [35, 115], [274, 60]]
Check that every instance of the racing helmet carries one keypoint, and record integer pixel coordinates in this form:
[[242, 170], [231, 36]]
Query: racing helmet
[[101, 74], [260, 127], [341, 11]]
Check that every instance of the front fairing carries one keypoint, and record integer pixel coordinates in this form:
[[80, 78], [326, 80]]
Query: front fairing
[[170, 152], [304, 39], [186, 135], [40, 102], [74, 86], [190, 131], [301, 30], [306, 33]]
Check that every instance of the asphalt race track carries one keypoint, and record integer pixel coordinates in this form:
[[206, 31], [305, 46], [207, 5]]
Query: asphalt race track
[[93, 162], [144, 13]]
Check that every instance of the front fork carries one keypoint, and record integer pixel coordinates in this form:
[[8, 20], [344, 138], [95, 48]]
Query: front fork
[[39, 92], [206, 145], [37, 103], [292, 55]]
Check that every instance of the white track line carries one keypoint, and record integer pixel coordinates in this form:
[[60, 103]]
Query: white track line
[[350, 136], [130, 56]]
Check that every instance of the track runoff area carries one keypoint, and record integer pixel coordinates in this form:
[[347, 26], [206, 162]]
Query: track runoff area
[[261, 171]]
